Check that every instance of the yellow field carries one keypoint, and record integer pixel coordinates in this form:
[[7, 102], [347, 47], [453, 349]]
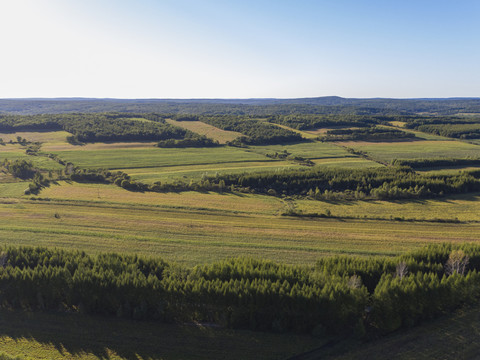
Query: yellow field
[[398, 123], [461, 207], [212, 132], [51, 137], [239, 203], [323, 131], [195, 228]]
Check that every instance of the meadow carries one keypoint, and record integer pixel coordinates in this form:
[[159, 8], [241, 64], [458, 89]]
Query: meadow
[[201, 128], [17, 152], [194, 228]]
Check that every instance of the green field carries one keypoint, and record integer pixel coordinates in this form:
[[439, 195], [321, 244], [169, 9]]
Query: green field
[[388, 151], [308, 150], [122, 158], [16, 152], [461, 207], [180, 172], [45, 137], [194, 228], [150, 164], [222, 136], [12, 189]]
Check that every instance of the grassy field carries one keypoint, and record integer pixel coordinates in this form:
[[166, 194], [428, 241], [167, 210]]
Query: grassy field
[[39, 336], [308, 150], [428, 149], [150, 164], [121, 158], [346, 163], [12, 189], [46, 137], [181, 172], [212, 132], [194, 228], [17, 152], [461, 207]]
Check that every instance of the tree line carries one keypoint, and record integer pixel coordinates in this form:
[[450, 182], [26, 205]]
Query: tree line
[[374, 133], [441, 163], [339, 295], [392, 182]]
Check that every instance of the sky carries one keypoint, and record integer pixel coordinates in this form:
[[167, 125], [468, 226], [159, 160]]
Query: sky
[[239, 49]]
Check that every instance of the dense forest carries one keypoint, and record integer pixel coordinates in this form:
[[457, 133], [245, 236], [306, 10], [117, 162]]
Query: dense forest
[[437, 163], [330, 184], [255, 107], [309, 121], [97, 127], [455, 127], [339, 295], [374, 133]]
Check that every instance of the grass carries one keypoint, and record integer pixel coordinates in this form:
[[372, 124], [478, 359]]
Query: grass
[[45, 137], [212, 132], [34, 335], [183, 172], [122, 158], [12, 190], [195, 228], [16, 152], [97, 146], [449, 170], [308, 150], [428, 149], [461, 207], [346, 163]]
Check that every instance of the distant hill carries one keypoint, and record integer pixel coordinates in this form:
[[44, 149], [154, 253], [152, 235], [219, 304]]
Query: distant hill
[[262, 106]]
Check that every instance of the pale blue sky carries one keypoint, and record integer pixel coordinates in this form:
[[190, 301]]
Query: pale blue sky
[[239, 49]]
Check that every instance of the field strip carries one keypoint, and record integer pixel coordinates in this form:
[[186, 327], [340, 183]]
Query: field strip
[[210, 131], [221, 244], [195, 164], [130, 206]]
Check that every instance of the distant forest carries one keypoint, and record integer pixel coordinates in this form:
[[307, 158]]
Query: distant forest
[[256, 107]]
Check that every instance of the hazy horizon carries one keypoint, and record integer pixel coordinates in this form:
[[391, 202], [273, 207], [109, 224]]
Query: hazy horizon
[[215, 49]]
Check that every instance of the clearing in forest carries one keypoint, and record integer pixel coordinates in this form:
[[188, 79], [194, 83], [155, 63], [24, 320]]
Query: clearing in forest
[[212, 132]]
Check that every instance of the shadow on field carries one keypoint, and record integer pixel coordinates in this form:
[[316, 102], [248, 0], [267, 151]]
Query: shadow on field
[[75, 335]]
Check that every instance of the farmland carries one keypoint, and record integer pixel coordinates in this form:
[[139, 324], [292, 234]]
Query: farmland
[[222, 136], [388, 151], [190, 227]]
